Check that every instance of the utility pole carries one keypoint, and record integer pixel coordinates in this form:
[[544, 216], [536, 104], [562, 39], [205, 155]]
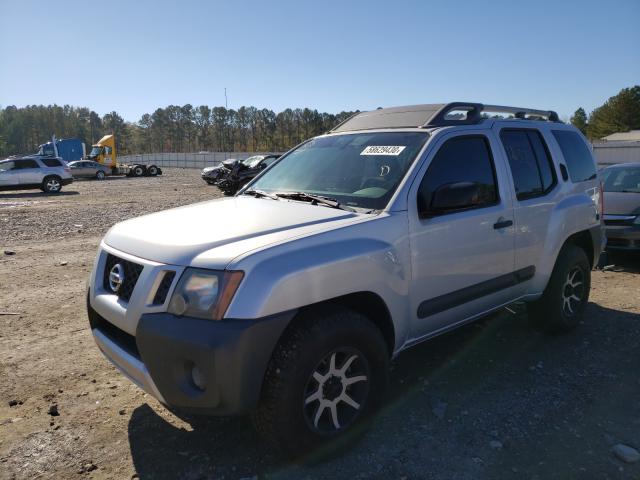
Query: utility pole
[[226, 105]]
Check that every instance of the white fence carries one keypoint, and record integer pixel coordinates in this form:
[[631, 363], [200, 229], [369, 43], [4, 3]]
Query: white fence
[[610, 153], [184, 160]]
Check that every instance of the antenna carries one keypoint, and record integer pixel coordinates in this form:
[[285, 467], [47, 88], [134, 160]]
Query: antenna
[[225, 99]]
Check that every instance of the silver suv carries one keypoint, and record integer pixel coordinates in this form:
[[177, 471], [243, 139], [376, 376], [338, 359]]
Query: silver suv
[[398, 225], [49, 174]]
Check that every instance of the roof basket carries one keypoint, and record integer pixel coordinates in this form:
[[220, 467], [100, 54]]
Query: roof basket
[[436, 115]]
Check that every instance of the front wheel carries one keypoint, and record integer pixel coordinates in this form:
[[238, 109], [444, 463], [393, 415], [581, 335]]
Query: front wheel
[[51, 184], [326, 376], [563, 302]]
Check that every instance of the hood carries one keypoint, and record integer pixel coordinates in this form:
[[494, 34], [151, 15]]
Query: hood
[[210, 169], [230, 162], [220, 230], [621, 203]]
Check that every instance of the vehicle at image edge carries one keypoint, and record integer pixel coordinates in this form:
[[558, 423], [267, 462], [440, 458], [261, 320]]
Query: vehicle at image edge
[[622, 206], [231, 175], [89, 169], [49, 174], [398, 225], [104, 152]]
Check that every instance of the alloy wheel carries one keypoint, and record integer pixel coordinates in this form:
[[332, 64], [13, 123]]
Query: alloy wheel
[[572, 291], [336, 391]]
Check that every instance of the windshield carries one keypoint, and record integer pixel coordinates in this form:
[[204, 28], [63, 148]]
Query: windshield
[[252, 161], [6, 166], [46, 149], [360, 170], [622, 179], [95, 151]]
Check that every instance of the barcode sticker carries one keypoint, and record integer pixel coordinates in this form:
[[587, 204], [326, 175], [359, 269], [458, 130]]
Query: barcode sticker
[[382, 150]]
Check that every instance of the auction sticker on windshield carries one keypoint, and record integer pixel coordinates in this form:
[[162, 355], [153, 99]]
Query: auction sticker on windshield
[[382, 150]]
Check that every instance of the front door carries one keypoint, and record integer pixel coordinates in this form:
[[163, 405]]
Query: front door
[[9, 175], [461, 233]]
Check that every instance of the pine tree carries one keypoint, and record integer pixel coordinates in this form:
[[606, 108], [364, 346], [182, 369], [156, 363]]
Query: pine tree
[[579, 120]]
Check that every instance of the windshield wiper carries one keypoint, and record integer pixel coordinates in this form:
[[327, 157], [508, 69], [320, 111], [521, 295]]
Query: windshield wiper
[[315, 199], [260, 193]]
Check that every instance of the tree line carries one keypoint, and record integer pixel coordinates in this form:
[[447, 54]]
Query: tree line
[[171, 129], [619, 113], [203, 128]]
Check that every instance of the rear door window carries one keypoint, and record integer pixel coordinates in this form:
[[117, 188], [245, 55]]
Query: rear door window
[[51, 162], [529, 161], [578, 157], [24, 164]]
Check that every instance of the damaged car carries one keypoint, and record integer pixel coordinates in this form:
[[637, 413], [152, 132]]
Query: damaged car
[[234, 174]]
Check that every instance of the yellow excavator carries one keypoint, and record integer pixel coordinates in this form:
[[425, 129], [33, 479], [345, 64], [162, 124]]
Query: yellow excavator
[[104, 152]]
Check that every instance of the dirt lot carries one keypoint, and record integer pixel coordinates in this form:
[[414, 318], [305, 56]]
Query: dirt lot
[[493, 400]]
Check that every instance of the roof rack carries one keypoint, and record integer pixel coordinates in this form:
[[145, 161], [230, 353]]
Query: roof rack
[[436, 115]]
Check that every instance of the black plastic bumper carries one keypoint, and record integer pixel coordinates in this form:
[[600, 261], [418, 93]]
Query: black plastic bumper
[[623, 237], [231, 354]]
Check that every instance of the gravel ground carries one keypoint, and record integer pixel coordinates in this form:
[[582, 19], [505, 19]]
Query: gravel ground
[[492, 400]]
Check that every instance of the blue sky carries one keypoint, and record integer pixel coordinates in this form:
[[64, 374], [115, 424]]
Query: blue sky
[[135, 56]]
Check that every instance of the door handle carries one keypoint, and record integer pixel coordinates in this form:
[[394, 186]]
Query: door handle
[[502, 224]]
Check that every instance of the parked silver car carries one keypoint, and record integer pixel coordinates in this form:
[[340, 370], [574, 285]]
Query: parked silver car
[[49, 174], [89, 169], [622, 206]]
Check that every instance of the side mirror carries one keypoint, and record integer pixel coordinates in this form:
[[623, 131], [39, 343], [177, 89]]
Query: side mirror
[[448, 198]]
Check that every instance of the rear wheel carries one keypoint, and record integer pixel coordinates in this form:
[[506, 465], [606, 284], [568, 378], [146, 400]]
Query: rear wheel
[[563, 302], [327, 374], [152, 170], [100, 175], [138, 171], [51, 184]]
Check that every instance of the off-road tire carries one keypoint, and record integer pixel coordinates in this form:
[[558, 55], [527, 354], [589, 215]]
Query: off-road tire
[[550, 313], [51, 184], [314, 335]]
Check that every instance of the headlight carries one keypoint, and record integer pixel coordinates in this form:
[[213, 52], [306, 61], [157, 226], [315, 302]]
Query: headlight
[[204, 293]]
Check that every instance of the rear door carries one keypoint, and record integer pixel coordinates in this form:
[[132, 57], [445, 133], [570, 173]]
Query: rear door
[[536, 191], [9, 174], [462, 259], [30, 172]]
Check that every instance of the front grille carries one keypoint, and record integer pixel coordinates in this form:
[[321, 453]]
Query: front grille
[[121, 338], [163, 288], [131, 273]]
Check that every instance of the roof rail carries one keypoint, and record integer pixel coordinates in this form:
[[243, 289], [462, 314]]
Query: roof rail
[[522, 113], [435, 115]]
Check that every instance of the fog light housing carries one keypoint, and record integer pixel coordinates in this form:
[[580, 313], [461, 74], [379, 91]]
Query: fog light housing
[[198, 379]]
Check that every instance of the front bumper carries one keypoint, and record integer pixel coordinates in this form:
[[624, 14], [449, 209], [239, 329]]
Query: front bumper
[[158, 351], [623, 237]]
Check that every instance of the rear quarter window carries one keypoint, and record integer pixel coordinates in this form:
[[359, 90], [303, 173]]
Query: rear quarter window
[[51, 162], [577, 156]]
